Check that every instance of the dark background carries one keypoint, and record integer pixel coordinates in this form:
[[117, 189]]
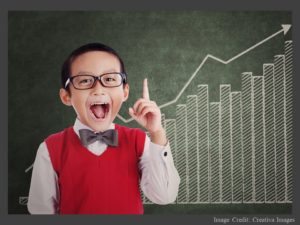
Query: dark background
[[164, 46]]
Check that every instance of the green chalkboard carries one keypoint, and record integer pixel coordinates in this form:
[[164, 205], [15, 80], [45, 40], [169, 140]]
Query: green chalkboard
[[167, 47]]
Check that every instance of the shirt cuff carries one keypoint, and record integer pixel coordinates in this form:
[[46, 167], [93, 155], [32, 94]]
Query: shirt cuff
[[159, 152]]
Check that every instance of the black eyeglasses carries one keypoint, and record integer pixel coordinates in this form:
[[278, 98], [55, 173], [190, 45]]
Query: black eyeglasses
[[83, 82]]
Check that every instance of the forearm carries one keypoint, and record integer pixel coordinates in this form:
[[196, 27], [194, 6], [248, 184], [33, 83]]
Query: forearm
[[160, 180]]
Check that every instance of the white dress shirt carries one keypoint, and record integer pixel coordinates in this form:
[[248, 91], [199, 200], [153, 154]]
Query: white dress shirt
[[159, 180]]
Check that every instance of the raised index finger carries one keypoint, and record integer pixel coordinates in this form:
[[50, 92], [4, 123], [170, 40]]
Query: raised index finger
[[145, 90]]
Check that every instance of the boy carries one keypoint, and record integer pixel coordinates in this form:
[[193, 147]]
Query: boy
[[96, 166]]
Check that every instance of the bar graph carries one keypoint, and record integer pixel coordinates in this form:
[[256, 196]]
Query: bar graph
[[237, 150]]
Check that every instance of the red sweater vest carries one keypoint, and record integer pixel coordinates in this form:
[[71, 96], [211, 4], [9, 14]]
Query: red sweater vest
[[105, 184]]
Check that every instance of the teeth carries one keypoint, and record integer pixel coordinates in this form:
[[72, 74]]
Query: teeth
[[99, 103]]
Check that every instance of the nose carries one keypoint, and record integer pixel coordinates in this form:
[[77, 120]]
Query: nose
[[98, 89]]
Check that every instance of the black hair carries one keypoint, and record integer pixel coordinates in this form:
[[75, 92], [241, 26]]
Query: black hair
[[66, 67]]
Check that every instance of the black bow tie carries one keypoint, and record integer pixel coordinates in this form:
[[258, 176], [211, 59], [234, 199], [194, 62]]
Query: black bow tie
[[109, 137]]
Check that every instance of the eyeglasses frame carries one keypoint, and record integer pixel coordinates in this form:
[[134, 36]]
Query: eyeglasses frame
[[70, 80]]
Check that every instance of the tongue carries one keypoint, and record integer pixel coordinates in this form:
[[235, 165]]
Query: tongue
[[98, 111]]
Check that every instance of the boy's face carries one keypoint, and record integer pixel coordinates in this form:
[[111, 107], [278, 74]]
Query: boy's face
[[96, 107]]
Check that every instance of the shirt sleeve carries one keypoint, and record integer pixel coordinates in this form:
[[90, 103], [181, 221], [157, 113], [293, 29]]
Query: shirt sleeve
[[43, 194], [160, 179]]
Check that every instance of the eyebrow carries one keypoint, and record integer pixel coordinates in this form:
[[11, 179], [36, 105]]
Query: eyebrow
[[84, 73], [91, 73]]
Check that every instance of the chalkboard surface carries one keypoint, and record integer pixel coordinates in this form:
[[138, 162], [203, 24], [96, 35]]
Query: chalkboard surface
[[167, 47]]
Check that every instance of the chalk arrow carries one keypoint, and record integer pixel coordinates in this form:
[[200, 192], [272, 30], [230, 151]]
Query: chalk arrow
[[286, 28]]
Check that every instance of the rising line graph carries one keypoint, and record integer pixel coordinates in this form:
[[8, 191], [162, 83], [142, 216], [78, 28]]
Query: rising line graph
[[284, 30]]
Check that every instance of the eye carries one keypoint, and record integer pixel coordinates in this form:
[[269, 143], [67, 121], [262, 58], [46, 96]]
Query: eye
[[85, 81], [109, 79]]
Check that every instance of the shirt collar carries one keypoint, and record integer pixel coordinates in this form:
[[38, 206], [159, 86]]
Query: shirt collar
[[78, 125]]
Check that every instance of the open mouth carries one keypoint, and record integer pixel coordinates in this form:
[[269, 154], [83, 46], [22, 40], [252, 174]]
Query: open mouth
[[99, 110]]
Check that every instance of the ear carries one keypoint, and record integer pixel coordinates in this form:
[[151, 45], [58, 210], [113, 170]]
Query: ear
[[65, 97], [126, 92]]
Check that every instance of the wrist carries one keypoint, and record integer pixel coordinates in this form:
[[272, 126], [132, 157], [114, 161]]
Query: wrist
[[159, 137]]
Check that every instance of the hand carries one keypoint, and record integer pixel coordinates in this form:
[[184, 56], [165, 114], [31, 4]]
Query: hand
[[146, 112]]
